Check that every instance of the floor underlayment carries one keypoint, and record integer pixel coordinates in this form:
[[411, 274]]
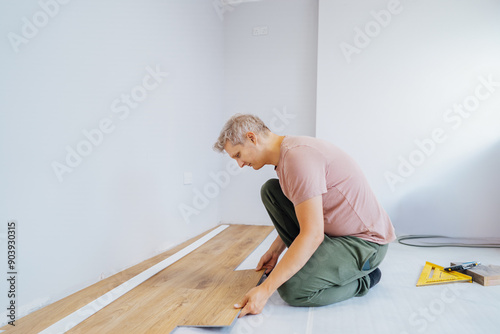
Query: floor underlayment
[[395, 305]]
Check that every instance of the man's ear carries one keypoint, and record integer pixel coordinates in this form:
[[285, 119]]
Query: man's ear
[[252, 137]]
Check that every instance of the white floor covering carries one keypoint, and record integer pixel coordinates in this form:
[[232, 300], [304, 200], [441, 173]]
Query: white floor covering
[[395, 305]]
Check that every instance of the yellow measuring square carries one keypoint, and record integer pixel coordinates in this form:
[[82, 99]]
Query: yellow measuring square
[[434, 274]]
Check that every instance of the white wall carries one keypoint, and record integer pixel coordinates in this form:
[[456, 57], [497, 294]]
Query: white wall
[[120, 205], [272, 76], [125, 201], [398, 82]]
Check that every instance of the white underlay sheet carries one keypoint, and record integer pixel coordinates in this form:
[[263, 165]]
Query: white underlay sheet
[[395, 305]]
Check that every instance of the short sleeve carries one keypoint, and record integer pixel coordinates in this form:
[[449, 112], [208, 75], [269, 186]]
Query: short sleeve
[[304, 171]]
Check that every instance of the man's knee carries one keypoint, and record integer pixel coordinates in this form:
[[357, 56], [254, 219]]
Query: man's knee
[[291, 296], [300, 292], [292, 293]]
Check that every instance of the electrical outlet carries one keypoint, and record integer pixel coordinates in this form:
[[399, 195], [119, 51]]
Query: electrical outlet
[[188, 178], [260, 31]]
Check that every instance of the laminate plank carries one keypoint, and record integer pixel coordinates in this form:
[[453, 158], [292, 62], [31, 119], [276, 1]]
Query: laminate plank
[[170, 298], [223, 296], [200, 289]]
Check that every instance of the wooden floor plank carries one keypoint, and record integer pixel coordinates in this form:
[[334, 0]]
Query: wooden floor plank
[[486, 275], [198, 290], [170, 298], [44, 317]]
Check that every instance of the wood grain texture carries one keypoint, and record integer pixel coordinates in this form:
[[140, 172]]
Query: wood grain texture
[[485, 275], [198, 290]]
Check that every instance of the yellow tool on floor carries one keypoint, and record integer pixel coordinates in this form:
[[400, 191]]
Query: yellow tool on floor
[[434, 274]]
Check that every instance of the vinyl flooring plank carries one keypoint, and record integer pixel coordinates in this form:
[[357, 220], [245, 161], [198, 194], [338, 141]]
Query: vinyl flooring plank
[[132, 313], [198, 290]]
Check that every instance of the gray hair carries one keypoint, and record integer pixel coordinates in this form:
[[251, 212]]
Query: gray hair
[[236, 129]]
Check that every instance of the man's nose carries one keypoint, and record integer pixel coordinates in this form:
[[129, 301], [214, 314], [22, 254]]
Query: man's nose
[[240, 163]]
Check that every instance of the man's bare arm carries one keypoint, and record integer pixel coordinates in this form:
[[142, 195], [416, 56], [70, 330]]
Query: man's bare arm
[[310, 217]]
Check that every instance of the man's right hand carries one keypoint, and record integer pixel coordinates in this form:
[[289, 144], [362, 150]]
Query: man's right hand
[[270, 258], [268, 261]]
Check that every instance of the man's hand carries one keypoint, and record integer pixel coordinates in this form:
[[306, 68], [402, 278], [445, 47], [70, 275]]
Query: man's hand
[[310, 217], [254, 301], [270, 258], [268, 261]]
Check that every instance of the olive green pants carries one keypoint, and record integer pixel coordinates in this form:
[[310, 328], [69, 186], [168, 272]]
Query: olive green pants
[[339, 268]]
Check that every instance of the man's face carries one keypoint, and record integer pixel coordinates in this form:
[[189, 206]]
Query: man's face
[[246, 154]]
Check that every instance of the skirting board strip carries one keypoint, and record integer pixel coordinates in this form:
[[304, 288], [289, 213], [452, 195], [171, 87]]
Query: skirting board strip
[[91, 308]]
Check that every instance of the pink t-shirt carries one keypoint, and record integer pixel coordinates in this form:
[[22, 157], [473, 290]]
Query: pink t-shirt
[[309, 167]]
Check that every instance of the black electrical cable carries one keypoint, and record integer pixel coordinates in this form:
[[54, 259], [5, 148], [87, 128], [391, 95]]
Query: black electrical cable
[[451, 244]]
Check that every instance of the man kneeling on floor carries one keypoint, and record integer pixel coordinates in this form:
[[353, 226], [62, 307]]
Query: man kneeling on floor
[[324, 211]]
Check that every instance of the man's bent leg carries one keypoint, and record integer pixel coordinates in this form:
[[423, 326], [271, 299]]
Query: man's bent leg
[[281, 211], [337, 271], [339, 268]]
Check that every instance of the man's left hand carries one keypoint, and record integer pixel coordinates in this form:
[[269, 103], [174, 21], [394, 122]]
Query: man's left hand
[[254, 301]]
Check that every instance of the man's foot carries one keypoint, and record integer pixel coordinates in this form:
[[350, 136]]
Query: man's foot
[[375, 277]]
